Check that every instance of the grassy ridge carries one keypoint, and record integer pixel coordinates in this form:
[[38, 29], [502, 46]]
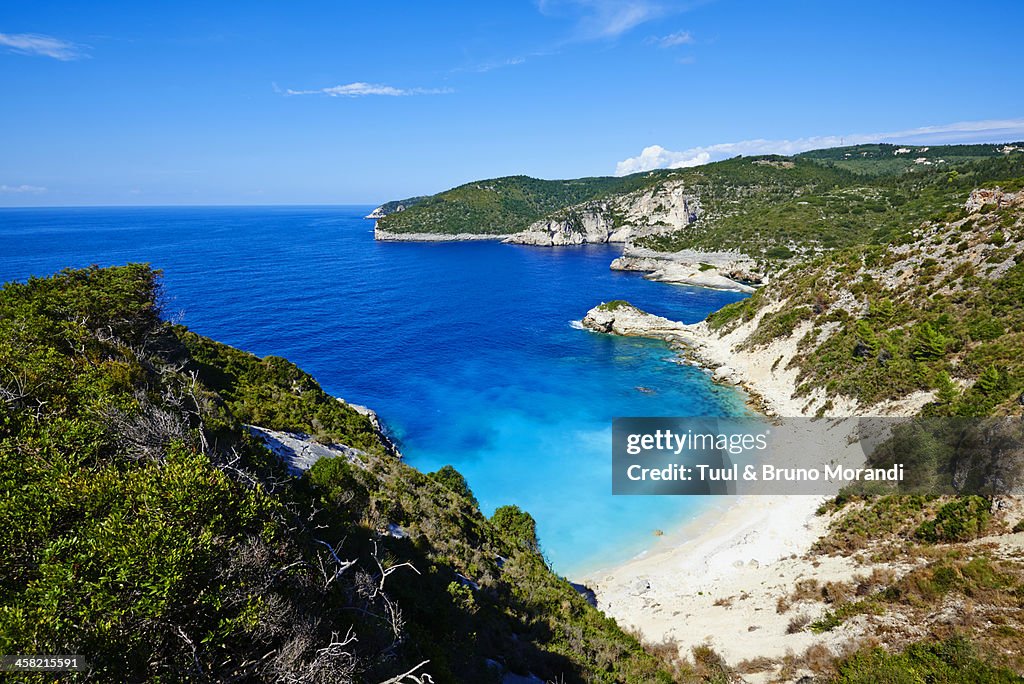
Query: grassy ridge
[[777, 213]]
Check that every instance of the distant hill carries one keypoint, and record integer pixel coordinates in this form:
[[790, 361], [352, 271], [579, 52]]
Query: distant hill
[[498, 206], [882, 159], [771, 207]]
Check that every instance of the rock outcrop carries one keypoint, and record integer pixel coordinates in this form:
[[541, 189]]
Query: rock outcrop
[[996, 197], [622, 318], [299, 452], [663, 208], [718, 270]]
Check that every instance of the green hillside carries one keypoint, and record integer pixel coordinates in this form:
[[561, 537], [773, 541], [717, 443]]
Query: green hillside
[[145, 529], [771, 207], [499, 206], [939, 307], [779, 212], [886, 159]]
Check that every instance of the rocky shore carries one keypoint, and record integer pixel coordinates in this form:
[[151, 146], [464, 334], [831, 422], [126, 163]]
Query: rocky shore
[[737, 562], [762, 372], [385, 236], [732, 271]]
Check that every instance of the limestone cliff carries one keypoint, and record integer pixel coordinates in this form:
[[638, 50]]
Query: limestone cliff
[[662, 208], [717, 270]]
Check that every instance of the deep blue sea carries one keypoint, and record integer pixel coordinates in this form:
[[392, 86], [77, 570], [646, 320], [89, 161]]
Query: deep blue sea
[[466, 350]]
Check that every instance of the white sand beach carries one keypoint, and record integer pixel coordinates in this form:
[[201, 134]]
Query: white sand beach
[[718, 580]]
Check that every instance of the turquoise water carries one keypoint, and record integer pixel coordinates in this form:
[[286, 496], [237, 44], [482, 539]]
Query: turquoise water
[[467, 350]]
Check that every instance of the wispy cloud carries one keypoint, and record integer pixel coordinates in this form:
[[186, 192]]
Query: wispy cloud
[[605, 18], [673, 39], [21, 189], [484, 67], [360, 89], [657, 157], [43, 46]]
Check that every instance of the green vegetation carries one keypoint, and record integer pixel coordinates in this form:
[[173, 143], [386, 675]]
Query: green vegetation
[[960, 520], [144, 528], [939, 310], [499, 206], [777, 213], [883, 159], [952, 661], [614, 305], [771, 207], [393, 206]]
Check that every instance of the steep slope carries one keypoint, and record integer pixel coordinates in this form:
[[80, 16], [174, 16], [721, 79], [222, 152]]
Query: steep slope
[[939, 311], [145, 528]]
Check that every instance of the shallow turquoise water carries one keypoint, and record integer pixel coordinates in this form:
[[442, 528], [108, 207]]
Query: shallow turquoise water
[[467, 350]]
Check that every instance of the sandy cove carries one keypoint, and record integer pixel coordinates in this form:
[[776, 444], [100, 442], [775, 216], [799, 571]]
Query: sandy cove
[[718, 580]]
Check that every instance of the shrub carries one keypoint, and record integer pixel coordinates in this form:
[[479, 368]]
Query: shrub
[[953, 661], [517, 525], [453, 480], [957, 521]]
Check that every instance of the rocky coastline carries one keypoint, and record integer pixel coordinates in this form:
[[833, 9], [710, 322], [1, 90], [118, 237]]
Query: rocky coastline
[[731, 271], [385, 236]]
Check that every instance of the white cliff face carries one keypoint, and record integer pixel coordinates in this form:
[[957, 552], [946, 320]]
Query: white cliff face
[[660, 209], [718, 270], [583, 223]]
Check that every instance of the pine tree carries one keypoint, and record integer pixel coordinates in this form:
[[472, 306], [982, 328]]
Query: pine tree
[[928, 343], [883, 311], [867, 342], [948, 392], [988, 381]]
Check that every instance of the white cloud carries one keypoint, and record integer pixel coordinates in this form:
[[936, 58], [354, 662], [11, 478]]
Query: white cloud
[[21, 189], [674, 39], [360, 89], [657, 157], [45, 46], [605, 18], [491, 66]]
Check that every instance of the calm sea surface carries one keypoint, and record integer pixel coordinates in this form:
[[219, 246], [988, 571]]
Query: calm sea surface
[[467, 350]]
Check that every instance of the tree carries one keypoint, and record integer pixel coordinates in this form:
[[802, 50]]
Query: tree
[[928, 343], [867, 343], [453, 480], [948, 392], [988, 382], [517, 524], [883, 311]]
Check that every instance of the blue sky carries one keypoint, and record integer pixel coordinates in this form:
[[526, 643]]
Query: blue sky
[[344, 102]]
